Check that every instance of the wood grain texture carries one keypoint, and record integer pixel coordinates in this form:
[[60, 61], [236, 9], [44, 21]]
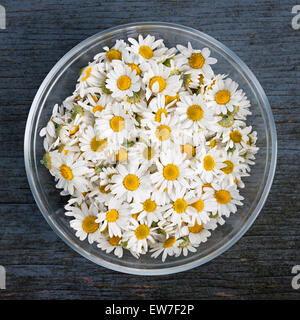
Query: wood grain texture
[[38, 264]]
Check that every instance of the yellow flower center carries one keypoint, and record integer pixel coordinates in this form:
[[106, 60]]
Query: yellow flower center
[[131, 182], [236, 136], [158, 114], [114, 241], [87, 74], [171, 172], [122, 155], [124, 83], [74, 130], [98, 145], [89, 225], [223, 196], [198, 205], [113, 54], [180, 205], [196, 61], [135, 67], [146, 52], [212, 143], [222, 97], [149, 205], [208, 163], [112, 215], [206, 185], [117, 123], [169, 99], [161, 83], [66, 172], [142, 232], [195, 112], [169, 242], [196, 228], [163, 132], [98, 108], [229, 167], [148, 153], [189, 150], [103, 190], [135, 216]]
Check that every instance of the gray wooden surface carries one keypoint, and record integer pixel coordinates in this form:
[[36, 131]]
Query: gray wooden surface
[[41, 266]]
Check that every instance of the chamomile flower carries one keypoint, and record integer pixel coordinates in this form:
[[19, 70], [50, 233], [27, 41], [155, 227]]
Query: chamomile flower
[[115, 218], [96, 105], [85, 223], [185, 246], [70, 172], [91, 76], [115, 125], [180, 209], [149, 49], [168, 247], [236, 137], [148, 210], [157, 110], [210, 164], [224, 96], [197, 60], [92, 147], [198, 233], [131, 182], [158, 79], [138, 236], [113, 53], [173, 173], [110, 244], [194, 114], [227, 198], [122, 81]]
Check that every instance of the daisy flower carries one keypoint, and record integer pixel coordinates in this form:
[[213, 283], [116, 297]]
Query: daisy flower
[[92, 147], [110, 244], [115, 125], [227, 198], [168, 247], [138, 236], [198, 233], [210, 164], [157, 109], [224, 96], [131, 182], [85, 223], [96, 105], [236, 137], [122, 81], [115, 218], [194, 114], [135, 103], [148, 211], [197, 60], [70, 173], [113, 53], [185, 246], [149, 49], [173, 172], [181, 209], [158, 79]]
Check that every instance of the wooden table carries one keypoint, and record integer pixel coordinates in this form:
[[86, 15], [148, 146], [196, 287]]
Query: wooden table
[[41, 266]]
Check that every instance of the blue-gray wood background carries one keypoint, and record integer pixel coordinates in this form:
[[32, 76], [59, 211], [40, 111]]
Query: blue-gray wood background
[[41, 266]]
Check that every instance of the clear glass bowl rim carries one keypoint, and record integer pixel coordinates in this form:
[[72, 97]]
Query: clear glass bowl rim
[[186, 266]]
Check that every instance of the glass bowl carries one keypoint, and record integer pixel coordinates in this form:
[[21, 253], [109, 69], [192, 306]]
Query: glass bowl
[[60, 83]]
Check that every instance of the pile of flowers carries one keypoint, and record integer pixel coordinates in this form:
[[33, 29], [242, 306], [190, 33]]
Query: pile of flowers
[[151, 148]]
